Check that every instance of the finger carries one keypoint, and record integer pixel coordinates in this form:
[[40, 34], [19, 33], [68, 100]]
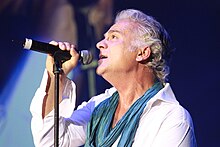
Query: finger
[[53, 43], [73, 52], [67, 45], [73, 47], [70, 64], [62, 46]]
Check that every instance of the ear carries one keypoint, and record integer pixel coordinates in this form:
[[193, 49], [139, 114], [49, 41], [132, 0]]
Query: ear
[[143, 54]]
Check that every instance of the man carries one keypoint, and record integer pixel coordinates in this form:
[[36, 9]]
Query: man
[[140, 109]]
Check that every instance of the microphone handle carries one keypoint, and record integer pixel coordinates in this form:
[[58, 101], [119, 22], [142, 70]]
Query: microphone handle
[[47, 48]]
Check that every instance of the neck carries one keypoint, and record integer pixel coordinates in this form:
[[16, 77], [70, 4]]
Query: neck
[[132, 89], [129, 91]]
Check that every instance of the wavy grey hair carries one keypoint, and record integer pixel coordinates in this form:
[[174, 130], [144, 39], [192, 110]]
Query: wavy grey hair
[[152, 34]]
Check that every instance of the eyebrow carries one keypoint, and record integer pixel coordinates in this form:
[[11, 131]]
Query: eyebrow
[[112, 31]]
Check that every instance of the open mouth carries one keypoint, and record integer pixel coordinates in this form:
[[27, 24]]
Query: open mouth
[[102, 57]]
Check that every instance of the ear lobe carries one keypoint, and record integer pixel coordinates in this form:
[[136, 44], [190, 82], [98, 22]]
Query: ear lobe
[[143, 54]]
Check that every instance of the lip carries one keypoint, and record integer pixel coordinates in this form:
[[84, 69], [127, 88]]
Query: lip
[[101, 57], [100, 61]]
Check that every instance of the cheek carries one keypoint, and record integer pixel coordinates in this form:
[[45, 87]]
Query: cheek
[[130, 57]]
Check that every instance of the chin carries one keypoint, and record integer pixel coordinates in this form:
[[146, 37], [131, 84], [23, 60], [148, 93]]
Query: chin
[[99, 71], [102, 69]]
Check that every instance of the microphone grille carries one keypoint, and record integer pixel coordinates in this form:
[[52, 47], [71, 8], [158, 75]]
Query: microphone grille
[[87, 57]]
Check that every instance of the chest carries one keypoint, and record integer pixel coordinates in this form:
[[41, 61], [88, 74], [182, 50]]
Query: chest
[[148, 128]]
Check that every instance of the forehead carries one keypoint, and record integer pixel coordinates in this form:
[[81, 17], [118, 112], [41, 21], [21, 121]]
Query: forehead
[[122, 27]]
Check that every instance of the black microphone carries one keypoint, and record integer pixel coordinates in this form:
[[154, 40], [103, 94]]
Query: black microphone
[[29, 44]]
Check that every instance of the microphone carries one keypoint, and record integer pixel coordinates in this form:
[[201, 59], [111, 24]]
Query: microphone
[[29, 44]]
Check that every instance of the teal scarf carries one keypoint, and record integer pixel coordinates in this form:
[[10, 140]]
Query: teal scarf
[[100, 132]]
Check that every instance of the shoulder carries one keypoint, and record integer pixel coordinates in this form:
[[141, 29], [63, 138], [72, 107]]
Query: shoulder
[[101, 97], [166, 110], [175, 113], [96, 100]]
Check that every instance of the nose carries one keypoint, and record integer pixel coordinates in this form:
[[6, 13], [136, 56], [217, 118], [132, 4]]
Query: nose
[[101, 44]]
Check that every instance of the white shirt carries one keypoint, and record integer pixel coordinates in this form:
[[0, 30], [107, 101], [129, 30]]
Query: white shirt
[[164, 123]]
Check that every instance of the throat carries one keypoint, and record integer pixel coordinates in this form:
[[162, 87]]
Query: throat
[[119, 113]]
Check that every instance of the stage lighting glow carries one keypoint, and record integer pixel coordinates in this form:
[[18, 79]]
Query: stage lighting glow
[[18, 92]]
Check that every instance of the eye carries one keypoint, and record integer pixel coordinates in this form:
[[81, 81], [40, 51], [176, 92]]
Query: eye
[[112, 37]]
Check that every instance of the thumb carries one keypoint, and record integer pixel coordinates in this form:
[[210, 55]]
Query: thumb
[[70, 64]]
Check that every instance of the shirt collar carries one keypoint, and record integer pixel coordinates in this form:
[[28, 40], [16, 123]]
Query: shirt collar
[[165, 94]]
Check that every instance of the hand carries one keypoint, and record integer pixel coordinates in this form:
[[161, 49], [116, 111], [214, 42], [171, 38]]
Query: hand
[[67, 66]]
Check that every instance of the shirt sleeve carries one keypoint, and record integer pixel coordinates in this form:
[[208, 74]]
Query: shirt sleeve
[[72, 124]]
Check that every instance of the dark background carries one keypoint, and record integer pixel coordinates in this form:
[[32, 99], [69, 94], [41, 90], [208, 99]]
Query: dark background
[[194, 28]]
